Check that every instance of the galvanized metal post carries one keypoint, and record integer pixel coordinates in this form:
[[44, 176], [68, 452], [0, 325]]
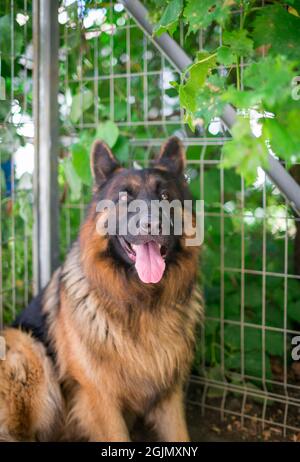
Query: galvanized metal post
[[46, 40], [180, 60]]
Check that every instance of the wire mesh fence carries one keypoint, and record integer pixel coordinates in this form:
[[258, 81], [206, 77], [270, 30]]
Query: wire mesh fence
[[16, 157], [111, 70], [249, 280]]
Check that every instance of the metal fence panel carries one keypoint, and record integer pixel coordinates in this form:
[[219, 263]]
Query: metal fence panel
[[113, 70]]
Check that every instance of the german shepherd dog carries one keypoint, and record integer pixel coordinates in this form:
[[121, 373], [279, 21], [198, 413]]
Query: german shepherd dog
[[113, 332]]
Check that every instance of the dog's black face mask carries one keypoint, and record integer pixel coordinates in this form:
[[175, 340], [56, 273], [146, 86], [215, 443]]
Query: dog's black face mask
[[144, 234]]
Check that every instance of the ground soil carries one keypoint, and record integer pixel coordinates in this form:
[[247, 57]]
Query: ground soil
[[210, 428]]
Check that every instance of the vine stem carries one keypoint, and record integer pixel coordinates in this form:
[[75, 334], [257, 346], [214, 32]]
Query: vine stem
[[238, 78]]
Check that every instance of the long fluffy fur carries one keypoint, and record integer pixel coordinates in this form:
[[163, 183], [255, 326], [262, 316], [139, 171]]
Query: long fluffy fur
[[118, 347]]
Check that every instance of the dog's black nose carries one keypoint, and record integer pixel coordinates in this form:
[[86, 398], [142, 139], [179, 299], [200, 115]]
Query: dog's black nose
[[148, 226]]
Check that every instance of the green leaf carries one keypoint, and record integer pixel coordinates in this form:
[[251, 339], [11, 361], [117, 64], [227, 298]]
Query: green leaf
[[238, 41], [80, 103], [108, 131], [276, 27], [245, 152], [212, 193], [232, 308], [211, 328], [240, 99], [232, 337], [215, 374], [5, 37], [200, 14], [252, 362], [294, 310], [274, 343], [169, 19], [225, 56], [280, 138], [208, 101], [270, 79], [197, 74], [121, 149], [72, 178], [81, 162]]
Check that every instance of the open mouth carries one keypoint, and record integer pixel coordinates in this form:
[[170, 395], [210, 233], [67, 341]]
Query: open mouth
[[130, 249], [148, 257]]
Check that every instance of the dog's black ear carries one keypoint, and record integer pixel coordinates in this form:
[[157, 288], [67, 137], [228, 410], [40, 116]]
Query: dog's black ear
[[172, 156], [103, 162]]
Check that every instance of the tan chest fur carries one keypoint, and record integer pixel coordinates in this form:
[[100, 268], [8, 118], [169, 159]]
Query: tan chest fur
[[135, 363], [136, 355]]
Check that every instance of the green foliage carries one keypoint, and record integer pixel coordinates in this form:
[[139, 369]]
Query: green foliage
[[238, 153], [189, 91], [238, 42], [249, 349], [226, 56], [266, 38], [72, 178], [278, 28], [80, 103], [169, 19], [201, 14], [81, 160], [5, 28], [108, 132], [77, 167]]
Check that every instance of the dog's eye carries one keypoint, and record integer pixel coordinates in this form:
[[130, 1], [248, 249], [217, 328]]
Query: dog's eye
[[164, 195]]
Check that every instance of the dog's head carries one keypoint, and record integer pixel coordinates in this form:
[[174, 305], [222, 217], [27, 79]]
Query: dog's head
[[132, 212]]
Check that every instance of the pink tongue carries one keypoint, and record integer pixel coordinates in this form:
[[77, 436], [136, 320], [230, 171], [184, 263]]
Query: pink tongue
[[149, 263]]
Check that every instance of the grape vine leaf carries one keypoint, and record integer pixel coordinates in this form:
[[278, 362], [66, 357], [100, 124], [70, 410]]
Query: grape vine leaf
[[282, 143], [108, 131], [253, 363], [169, 20], [271, 79], [274, 343], [5, 38], [72, 178], [202, 14], [225, 56], [245, 152], [81, 162], [276, 27], [267, 83], [197, 74], [208, 101], [238, 41], [294, 7], [80, 102]]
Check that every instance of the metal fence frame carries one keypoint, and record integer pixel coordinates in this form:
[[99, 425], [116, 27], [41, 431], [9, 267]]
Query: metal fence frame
[[46, 40]]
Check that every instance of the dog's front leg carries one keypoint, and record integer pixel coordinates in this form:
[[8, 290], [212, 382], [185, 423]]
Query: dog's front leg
[[99, 416], [168, 418]]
